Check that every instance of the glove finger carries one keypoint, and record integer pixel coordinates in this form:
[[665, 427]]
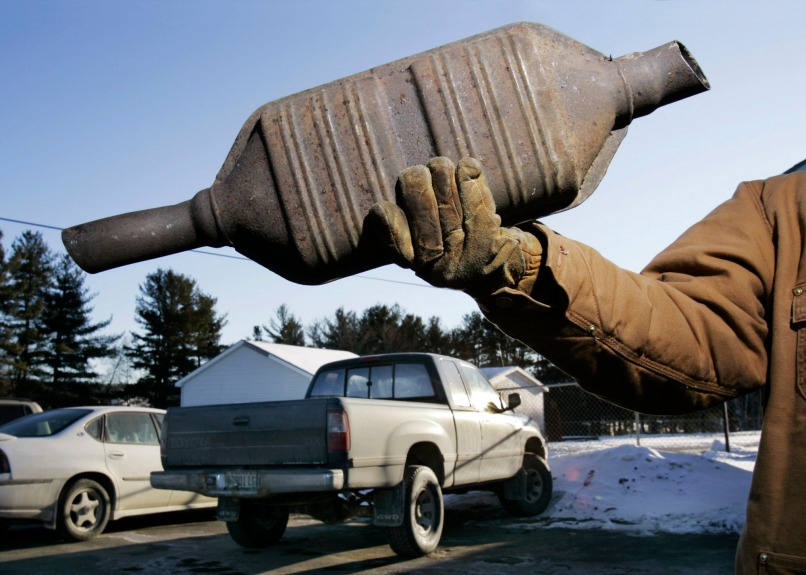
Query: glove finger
[[478, 206], [443, 178], [416, 197], [388, 225], [481, 223]]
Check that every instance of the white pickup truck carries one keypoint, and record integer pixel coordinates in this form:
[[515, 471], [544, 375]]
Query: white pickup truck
[[380, 436]]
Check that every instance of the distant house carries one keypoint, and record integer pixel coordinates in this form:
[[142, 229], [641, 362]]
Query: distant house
[[250, 371], [513, 379]]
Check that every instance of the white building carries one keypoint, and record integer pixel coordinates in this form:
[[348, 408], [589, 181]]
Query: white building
[[251, 371], [513, 379]]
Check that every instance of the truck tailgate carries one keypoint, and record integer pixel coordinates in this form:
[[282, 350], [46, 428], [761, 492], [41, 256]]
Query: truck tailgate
[[248, 434]]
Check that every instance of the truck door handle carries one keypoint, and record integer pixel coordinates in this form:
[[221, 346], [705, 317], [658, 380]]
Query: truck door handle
[[116, 455], [242, 420]]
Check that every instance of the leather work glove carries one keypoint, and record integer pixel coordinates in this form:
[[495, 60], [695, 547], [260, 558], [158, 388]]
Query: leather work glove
[[445, 228]]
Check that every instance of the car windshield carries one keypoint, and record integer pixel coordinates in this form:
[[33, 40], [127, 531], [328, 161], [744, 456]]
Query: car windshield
[[43, 424]]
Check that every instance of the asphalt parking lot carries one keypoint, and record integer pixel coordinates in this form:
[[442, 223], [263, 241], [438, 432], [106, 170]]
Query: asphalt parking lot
[[473, 542]]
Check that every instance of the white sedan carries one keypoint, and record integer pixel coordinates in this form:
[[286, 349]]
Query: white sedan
[[77, 468]]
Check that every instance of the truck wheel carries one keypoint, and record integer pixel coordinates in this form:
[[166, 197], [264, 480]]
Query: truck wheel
[[258, 526], [84, 510], [423, 515], [537, 494]]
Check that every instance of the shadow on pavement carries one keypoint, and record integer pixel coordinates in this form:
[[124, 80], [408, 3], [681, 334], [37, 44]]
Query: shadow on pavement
[[473, 543]]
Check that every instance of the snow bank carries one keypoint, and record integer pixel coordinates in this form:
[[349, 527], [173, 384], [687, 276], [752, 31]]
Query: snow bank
[[643, 491]]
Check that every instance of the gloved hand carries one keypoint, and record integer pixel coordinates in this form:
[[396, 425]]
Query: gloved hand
[[445, 228]]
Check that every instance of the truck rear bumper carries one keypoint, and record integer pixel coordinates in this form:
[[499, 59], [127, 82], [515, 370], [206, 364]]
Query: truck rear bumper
[[249, 483]]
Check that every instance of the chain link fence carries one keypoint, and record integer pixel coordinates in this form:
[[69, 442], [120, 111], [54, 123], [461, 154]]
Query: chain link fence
[[575, 419]]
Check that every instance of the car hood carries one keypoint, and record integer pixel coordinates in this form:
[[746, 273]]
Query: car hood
[[7, 437]]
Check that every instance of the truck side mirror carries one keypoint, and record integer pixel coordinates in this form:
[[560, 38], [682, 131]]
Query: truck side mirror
[[513, 401]]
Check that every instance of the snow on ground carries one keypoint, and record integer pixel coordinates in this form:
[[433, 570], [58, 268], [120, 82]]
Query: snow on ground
[[643, 490]]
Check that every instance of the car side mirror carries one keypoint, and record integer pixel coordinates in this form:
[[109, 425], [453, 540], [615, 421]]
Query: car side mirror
[[513, 401]]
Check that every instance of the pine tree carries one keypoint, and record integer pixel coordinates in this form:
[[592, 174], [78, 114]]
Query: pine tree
[[468, 339], [341, 332], [205, 329], [387, 329], [436, 339], [28, 270], [5, 328], [72, 340], [379, 329], [181, 330], [286, 328], [481, 342]]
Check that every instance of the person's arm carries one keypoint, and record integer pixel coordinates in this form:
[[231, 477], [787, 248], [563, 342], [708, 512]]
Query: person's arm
[[688, 332]]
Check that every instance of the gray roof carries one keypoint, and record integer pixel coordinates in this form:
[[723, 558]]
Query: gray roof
[[306, 359]]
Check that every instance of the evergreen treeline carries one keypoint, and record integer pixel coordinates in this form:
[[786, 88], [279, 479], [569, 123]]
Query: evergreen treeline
[[53, 352]]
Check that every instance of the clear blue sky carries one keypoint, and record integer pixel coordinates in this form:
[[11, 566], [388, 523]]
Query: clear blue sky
[[112, 106]]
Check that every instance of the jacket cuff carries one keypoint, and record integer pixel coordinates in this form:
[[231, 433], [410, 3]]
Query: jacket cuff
[[540, 291]]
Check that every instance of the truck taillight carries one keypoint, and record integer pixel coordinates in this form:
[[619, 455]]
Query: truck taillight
[[338, 431]]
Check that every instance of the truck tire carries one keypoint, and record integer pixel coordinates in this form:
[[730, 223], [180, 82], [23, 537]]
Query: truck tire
[[537, 494], [423, 515], [84, 510], [258, 526]]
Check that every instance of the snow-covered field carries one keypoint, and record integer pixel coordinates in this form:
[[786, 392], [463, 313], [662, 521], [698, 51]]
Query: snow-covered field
[[617, 485]]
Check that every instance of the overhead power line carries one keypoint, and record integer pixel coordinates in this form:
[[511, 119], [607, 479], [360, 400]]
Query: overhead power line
[[202, 252], [31, 224]]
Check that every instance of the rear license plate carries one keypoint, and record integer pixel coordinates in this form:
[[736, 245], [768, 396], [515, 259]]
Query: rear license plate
[[243, 481]]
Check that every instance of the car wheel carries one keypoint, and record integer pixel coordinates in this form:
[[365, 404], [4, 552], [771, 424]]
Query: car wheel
[[258, 526], [535, 498], [423, 516], [84, 510]]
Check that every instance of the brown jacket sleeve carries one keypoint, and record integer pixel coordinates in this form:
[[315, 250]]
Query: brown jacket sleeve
[[686, 333]]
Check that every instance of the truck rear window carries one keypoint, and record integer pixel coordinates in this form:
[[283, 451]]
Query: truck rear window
[[395, 381]]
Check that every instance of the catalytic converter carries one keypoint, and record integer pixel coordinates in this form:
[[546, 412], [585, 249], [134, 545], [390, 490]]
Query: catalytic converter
[[542, 112]]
